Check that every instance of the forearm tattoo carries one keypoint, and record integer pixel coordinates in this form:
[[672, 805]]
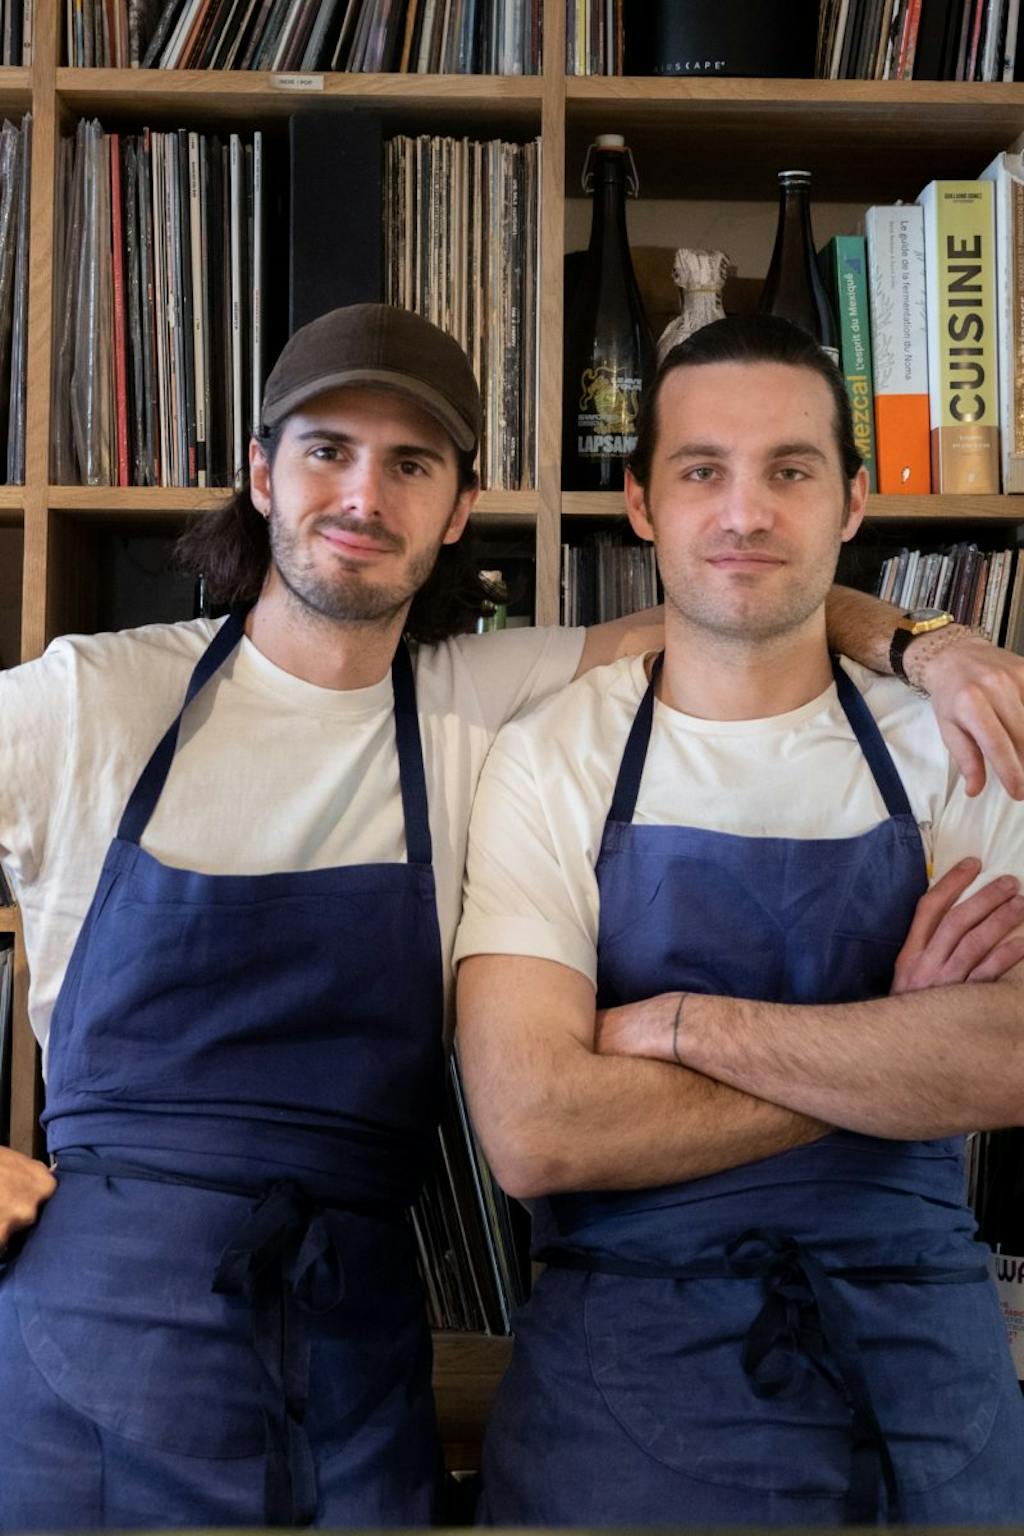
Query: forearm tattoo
[[675, 1028]]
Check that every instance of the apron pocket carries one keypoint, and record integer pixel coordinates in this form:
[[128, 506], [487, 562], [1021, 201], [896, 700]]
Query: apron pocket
[[114, 1300], [666, 1357]]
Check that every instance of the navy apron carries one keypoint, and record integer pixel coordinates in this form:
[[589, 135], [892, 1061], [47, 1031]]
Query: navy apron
[[808, 1339], [218, 1318]]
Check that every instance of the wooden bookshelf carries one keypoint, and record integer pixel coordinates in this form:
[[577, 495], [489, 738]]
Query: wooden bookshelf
[[435, 103], [467, 1370], [693, 139], [135, 503]]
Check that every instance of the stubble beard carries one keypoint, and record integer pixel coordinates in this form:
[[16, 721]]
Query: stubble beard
[[756, 621], [344, 596], [762, 619]]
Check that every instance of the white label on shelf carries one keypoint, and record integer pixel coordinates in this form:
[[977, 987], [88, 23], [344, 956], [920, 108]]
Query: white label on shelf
[[1008, 1274], [297, 82]]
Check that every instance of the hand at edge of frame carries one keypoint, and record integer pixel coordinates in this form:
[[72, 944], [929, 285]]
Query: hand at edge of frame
[[25, 1186], [953, 941], [977, 692]]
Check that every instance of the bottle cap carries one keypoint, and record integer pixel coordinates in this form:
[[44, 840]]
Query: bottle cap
[[616, 143]]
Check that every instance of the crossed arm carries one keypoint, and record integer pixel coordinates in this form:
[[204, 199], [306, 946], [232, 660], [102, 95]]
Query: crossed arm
[[566, 1099], [919, 1066]]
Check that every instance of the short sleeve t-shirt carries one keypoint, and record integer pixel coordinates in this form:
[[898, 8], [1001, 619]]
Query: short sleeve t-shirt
[[271, 773], [544, 795]]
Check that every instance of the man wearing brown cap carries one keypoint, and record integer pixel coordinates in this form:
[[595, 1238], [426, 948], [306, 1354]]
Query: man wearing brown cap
[[238, 847]]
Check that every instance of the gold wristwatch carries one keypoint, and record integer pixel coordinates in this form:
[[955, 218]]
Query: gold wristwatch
[[917, 621]]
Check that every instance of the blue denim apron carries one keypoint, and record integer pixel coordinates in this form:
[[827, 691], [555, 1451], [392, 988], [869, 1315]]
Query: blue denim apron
[[808, 1339], [218, 1319]]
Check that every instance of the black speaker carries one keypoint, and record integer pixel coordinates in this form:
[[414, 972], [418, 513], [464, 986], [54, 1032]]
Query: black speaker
[[721, 37]]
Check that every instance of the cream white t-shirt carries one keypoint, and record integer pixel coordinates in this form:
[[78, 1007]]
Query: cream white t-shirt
[[544, 795], [271, 773]]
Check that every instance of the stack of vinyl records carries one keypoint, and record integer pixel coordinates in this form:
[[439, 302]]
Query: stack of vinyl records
[[409, 36], [919, 39], [606, 578], [471, 1238], [16, 23], [159, 363], [461, 249], [15, 169], [593, 37]]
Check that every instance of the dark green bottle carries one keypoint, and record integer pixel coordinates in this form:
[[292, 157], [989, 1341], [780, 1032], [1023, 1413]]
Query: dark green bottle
[[794, 288]]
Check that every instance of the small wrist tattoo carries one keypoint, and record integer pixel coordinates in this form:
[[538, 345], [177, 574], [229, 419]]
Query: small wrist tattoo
[[675, 1029]]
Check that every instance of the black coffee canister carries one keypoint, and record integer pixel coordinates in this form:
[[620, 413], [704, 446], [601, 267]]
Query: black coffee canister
[[695, 38]]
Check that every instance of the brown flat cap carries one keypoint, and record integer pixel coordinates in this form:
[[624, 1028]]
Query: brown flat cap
[[386, 348]]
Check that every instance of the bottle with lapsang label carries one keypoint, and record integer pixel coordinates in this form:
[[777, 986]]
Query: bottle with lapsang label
[[794, 288], [609, 350], [999, 1207]]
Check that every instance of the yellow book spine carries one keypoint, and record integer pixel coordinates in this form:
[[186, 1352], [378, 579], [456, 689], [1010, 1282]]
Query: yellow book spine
[[963, 378]]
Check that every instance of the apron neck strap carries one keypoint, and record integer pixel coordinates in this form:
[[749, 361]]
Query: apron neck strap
[[872, 743], [143, 799], [631, 769], [862, 723], [415, 807]]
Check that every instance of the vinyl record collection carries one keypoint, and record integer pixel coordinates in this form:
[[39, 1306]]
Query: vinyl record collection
[[594, 41], [16, 22], [459, 37], [471, 1238], [985, 590], [461, 248], [857, 39], [606, 578], [918, 39], [15, 168], [159, 363]]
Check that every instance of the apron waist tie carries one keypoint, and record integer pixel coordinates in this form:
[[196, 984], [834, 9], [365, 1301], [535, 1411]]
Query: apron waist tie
[[285, 1262], [802, 1323]]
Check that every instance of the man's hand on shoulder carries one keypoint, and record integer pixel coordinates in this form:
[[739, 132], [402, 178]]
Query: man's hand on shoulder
[[25, 1185], [977, 691]]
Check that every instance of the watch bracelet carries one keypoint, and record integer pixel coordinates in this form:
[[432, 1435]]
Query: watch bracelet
[[937, 640]]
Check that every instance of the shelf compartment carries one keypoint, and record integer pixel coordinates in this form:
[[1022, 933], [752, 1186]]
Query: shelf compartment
[[863, 141]]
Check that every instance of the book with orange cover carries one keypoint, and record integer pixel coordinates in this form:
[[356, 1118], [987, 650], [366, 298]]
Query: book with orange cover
[[899, 338]]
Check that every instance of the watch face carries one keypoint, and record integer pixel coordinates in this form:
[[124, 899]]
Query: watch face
[[925, 615]]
